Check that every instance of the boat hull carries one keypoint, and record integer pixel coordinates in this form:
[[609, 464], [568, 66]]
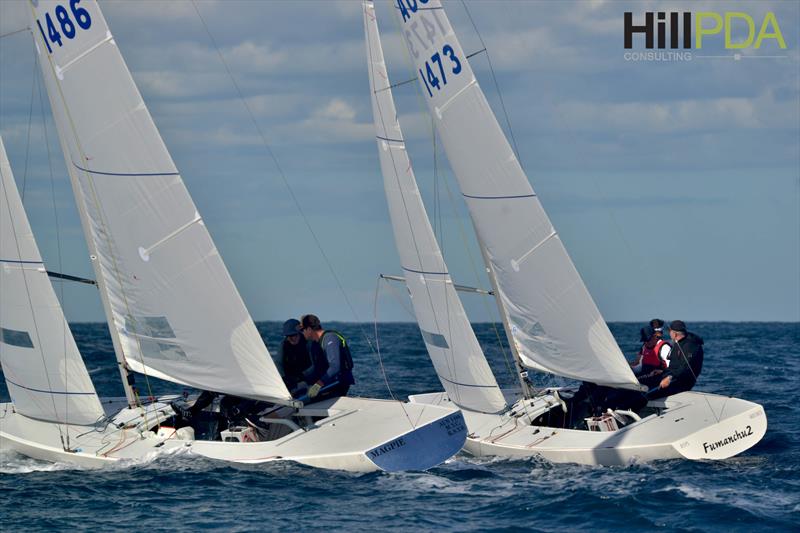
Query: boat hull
[[350, 434], [689, 425]]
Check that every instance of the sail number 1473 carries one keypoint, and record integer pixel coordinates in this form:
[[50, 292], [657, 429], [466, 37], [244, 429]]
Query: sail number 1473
[[65, 23], [429, 77]]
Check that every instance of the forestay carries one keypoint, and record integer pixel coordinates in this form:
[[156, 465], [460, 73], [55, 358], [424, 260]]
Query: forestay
[[43, 369], [555, 324], [448, 335], [169, 298]]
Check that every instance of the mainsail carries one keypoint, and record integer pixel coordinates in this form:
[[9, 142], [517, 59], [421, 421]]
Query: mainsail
[[448, 335], [171, 304], [43, 369], [555, 324]]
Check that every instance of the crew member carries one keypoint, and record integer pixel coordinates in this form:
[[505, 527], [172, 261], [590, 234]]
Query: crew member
[[332, 360], [294, 357], [654, 355], [685, 362]]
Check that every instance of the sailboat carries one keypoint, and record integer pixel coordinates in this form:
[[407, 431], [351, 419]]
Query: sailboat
[[172, 308], [549, 318]]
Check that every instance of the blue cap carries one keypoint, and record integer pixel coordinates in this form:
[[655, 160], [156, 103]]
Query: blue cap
[[291, 327]]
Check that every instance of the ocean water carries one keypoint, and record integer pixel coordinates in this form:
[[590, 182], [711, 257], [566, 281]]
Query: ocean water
[[758, 489]]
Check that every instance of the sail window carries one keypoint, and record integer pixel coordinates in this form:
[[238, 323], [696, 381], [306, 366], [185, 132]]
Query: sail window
[[156, 327], [434, 339], [533, 336], [13, 337], [161, 350]]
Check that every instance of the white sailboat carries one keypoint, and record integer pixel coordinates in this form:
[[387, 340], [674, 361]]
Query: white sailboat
[[172, 308], [550, 320]]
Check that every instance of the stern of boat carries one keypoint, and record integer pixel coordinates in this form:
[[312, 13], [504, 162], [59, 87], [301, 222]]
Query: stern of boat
[[738, 426], [423, 447]]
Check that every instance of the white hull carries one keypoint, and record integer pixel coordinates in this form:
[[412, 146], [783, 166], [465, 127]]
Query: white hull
[[351, 434], [689, 425]]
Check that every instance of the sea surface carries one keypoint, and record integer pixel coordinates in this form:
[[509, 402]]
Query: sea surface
[[758, 490]]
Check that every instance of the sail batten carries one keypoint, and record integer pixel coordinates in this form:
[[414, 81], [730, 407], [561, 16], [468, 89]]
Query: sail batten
[[172, 307], [553, 322], [453, 348]]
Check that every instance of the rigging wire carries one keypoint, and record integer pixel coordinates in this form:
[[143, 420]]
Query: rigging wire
[[10, 33], [64, 325], [378, 340], [494, 79], [377, 344], [686, 361], [34, 80], [283, 177]]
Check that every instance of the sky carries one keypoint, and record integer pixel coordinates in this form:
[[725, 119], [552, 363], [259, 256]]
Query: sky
[[675, 185]]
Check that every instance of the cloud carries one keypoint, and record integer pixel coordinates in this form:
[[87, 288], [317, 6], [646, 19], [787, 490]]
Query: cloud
[[682, 115], [336, 110], [334, 122]]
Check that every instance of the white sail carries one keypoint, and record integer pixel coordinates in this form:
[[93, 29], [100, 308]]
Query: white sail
[[171, 303], [555, 324], [448, 335], [42, 367]]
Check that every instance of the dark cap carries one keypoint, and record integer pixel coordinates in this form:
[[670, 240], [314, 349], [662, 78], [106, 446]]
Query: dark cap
[[646, 332], [678, 325], [657, 324], [291, 327], [310, 321]]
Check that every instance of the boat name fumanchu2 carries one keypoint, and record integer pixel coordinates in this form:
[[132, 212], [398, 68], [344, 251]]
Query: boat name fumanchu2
[[747, 432], [550, 320]]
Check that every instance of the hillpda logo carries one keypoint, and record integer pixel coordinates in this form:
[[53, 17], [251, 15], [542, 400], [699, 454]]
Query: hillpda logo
[[682, 36]]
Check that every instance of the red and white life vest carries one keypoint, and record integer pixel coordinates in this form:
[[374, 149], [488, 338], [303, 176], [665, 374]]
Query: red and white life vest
[[650, 356]]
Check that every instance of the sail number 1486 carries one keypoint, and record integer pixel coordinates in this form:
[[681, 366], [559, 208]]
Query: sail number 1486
[[65, 23]]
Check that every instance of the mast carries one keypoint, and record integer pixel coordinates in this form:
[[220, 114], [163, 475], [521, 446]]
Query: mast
[[522, 373], [126, 376]]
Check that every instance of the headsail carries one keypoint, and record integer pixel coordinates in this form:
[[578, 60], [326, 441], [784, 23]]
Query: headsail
[[44, 371], [555, 324], [448, 335], [171, 303]]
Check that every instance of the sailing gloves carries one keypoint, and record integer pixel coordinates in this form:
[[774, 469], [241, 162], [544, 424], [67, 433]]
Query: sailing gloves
[[314, 389]]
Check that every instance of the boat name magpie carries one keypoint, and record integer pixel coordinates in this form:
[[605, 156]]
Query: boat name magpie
[[388, 447]]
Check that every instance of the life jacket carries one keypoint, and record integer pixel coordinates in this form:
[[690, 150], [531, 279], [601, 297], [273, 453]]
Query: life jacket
[[345, 357], [650, 355]]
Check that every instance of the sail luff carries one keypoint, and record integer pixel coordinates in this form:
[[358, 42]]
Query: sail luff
[[553, 320], [453, 348], [125, 377], [174, 308], [46, 377]]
